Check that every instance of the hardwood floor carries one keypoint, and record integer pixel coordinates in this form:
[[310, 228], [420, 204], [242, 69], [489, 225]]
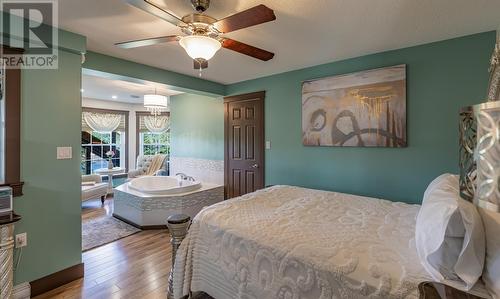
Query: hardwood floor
[[133, 267], [94, 208]]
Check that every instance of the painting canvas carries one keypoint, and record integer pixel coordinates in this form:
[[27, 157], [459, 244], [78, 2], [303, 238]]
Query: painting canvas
[[365, 109]]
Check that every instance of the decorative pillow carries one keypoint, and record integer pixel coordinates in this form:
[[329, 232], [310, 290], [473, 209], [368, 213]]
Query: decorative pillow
[[450, 235], [491, 274]]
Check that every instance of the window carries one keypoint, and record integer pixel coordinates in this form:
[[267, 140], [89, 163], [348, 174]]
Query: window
[[95, 145], [154, 143], [10, 100], [94, 148], [153, 134]]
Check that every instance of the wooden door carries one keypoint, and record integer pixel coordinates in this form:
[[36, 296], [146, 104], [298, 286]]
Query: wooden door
[[244, 143]]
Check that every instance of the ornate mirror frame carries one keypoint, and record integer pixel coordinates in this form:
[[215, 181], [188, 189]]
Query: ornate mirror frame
[[12, 126], [494, 85]]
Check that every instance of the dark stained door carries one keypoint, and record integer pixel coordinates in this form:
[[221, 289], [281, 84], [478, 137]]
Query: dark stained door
[[244, 143]]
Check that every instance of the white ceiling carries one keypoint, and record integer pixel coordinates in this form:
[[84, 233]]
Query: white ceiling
[[126, 92], [306, 32]]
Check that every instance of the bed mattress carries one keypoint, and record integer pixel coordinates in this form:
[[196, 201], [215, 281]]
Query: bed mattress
[[291, 242]]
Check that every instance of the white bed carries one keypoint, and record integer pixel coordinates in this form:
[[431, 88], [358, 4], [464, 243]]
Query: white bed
[[291, 242]]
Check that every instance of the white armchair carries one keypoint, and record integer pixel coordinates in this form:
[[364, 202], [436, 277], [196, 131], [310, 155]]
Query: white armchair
[[93, 187], [145, 162]]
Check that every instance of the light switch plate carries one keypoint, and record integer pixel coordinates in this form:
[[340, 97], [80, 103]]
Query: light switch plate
[[64, 152], [268, 144]]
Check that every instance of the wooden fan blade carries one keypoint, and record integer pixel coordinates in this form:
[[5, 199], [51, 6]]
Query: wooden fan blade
[[147, 42], [203, 62], [157, 11], [242, 48], [250, 17]]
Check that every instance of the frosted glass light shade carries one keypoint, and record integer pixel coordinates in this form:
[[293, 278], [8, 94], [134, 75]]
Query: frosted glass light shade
[[155, 101], [198, 46]]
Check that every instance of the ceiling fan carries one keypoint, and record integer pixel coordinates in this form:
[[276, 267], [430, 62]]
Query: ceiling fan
[[204, 34]]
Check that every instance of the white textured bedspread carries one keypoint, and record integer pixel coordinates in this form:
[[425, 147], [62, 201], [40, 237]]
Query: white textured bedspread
[[291, 242]]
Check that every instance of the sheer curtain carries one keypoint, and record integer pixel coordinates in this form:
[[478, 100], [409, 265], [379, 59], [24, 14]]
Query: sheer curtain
[[156, 124], [102, 122]]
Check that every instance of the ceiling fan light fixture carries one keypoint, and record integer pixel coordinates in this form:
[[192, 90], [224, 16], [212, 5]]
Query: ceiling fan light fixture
[[199, 46]]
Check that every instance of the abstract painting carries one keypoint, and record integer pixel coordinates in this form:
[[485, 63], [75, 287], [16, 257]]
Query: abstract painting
[[365, 109]]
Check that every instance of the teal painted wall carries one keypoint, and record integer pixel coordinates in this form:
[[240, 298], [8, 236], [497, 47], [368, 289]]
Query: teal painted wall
[[67, 41], [51, 205], [197, 127], [124, 68], [441, 78]]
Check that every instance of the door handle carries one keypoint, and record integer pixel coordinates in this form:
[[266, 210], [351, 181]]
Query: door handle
[[255, 165]]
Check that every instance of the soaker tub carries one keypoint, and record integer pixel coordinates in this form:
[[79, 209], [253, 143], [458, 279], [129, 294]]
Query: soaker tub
[[146, 202], [163, 185]]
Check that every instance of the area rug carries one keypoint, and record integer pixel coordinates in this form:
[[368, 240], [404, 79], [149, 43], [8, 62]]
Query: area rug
[[103, 230]]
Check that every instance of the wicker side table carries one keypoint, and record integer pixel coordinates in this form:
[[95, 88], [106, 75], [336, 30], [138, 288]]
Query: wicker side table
[[7, 254]]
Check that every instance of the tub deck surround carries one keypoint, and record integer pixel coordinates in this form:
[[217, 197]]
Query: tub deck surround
[[205, 170], [150, 211]]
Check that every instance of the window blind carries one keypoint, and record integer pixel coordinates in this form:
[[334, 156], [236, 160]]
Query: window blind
[[120, 128], [142, 128]]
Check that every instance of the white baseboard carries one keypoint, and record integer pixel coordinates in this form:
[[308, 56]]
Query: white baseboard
[[22, 291]]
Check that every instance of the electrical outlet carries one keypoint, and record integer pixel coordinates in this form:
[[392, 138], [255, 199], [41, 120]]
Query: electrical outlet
[[268, 145], [21, 240]]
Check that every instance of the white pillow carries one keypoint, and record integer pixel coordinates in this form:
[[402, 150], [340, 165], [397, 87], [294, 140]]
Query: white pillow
[[450, 235], [491, 274]]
